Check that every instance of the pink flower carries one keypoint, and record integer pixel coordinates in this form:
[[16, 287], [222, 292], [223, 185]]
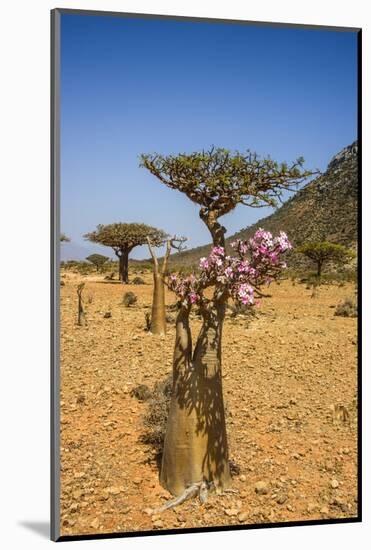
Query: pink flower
[[218, 251], [204, 263], [228, 272], [193, 297]]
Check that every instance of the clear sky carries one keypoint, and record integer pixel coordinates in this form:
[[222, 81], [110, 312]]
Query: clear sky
[[132, 86]]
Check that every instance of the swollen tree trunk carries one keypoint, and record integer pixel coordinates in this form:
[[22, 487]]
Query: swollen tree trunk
[[158, 319], [195, 446]]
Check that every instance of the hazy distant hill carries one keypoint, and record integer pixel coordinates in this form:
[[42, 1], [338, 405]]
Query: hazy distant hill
[[324, 209]]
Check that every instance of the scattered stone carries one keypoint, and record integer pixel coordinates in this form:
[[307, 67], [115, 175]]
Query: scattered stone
[[261, 488], [95, 523], [231, 511], [324, 510], [107, 315], [334, 483], [148, 511], [281, 499], [312, 506], [158, 523], [242, 517], [113, 490]]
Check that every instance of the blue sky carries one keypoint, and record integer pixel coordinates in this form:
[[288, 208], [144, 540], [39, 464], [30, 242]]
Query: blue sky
[[132, 86]]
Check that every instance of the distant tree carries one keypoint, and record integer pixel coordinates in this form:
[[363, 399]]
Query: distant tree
[[324, 251], [123, 237], [64, 238], [98, 260], [195, 447], [158, 318]]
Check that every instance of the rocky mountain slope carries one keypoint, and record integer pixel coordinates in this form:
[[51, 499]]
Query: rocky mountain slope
[[324, 209]]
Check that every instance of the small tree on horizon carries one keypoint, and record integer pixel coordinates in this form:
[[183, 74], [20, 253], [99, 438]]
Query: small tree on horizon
[[322, 252], [195, 447], [64, 239], [123, 237], [98, 260]]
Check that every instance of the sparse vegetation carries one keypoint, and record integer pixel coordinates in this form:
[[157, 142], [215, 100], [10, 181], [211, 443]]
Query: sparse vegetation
[[129, 299], [347, 308], [98, 260], [323, 252]]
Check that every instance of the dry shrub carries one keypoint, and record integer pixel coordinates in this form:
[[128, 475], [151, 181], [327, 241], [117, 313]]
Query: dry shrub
[[138, 281], [347, 308], [129, 299], [156, 417]]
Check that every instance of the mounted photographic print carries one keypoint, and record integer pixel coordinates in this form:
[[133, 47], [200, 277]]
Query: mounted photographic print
[[205, 200]]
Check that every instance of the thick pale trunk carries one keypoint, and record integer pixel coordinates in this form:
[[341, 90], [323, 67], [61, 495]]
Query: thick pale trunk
[[195, 446], [158, 320]]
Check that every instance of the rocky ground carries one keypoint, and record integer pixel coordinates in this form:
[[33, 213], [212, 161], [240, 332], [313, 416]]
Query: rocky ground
[[286, 376]]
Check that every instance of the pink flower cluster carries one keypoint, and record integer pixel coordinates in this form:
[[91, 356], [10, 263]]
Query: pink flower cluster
[[258, 262]]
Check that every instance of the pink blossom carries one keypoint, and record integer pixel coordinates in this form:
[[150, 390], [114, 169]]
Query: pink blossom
[[204, 263], [193, 297]]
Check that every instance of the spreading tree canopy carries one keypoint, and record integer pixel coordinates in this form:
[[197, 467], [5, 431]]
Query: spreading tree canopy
[[98, 260], [218, 179], [123, 237], [324, 251]]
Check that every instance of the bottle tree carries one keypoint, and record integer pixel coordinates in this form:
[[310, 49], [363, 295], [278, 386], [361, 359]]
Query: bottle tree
[[195, 447], [322, 252], [158, 317], [123, 237]]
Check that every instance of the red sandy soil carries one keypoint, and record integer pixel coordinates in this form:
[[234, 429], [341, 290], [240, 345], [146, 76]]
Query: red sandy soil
[[283, 372]]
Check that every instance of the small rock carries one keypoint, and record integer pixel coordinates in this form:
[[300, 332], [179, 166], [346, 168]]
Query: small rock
[[113, 490], [261, 488], [334, 483], [158, 523], [242, 477], [311, 507], [107, 315], [242, 517], [231, 511], [281, 499], [148, 511], [324, 510], [95, 523]]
